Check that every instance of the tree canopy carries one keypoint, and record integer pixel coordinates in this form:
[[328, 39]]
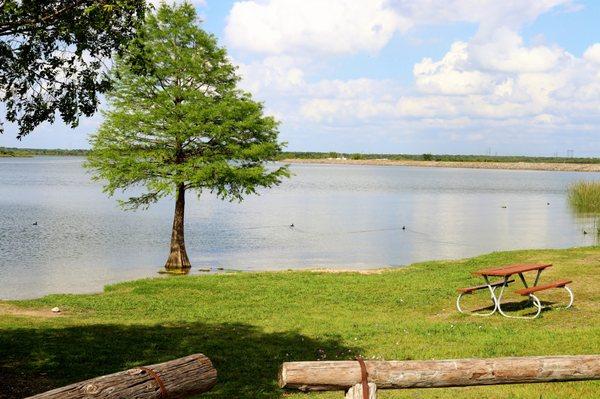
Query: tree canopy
[[178, 122], [52, 54]]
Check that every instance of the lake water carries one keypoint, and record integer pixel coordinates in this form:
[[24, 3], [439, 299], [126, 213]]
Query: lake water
[[343, 216]]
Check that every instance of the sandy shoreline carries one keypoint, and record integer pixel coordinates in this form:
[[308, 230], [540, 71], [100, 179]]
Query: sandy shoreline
[[562, 167]]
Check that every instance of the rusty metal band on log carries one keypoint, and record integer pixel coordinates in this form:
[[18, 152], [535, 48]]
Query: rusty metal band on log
[[364, 376], [176, 379], [341, 375], [161, 385]]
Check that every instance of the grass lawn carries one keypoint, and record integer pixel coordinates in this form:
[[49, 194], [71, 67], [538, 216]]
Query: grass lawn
[[248, 323]]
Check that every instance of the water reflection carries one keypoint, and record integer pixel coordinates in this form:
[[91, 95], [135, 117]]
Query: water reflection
[[590, 225], [343, 216]]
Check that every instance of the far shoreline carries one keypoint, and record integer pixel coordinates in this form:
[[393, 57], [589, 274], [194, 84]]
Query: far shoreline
[[539, 166], [458, 164]]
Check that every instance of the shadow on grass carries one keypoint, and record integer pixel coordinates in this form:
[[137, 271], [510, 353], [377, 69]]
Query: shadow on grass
[[246, 358], [520, 306]]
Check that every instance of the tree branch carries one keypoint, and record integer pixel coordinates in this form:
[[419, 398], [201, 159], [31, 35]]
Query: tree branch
[[47, 18]]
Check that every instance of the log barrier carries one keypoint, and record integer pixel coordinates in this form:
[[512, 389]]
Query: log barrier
[[175, 379], [346, 375]]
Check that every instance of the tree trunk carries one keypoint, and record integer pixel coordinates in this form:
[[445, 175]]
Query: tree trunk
[[341, 375], [178, 260]]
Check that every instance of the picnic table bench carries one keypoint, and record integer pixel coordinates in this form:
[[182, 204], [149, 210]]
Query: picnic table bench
[[505, 274]]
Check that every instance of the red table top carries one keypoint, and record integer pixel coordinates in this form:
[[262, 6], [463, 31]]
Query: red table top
[[512, 269]]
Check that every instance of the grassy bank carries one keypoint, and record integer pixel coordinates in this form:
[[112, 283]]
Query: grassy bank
[[249, 323], [584, 197]]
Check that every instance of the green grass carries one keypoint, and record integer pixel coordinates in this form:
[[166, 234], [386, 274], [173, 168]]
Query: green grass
[[584, 197], [248, 323]]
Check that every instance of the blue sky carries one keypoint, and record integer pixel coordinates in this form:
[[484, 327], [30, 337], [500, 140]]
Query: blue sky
[[400, 76]]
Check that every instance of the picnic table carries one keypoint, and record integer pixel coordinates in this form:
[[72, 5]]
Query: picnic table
[[505, 273]]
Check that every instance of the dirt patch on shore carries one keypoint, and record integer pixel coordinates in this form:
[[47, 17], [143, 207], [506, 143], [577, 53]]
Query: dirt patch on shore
[[563, 167], [358, 271], [12, 310]]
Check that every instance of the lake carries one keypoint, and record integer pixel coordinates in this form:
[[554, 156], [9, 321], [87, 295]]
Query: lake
[[344, 217]]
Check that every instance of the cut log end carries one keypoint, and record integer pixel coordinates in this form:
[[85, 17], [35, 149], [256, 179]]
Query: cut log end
[[281, 377]]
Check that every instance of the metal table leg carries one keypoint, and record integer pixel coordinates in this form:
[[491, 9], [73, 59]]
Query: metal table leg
[[493, 297], [534, 299]]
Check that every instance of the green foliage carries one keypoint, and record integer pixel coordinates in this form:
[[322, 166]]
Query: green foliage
[[8, 152], [249, 323], [427, 157], [584, 197], [176, 118], [52, 55], [29, 152]]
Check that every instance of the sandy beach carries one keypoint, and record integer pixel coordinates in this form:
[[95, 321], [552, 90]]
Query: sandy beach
[[565, 167]]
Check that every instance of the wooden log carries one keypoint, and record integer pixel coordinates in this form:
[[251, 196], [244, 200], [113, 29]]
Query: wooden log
[[356, 392], [341, 375], [180, 378]]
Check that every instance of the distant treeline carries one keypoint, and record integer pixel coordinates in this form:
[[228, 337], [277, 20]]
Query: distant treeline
[[434, 157], [30, 152]]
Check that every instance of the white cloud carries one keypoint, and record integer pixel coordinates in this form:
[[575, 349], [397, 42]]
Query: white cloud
[[488, 14], [560, 93], [332, 26], [494, 82], [351, 26], [281, 73], [451, 75], [504, 51], [339, 110], [592, 53], [282, 79]]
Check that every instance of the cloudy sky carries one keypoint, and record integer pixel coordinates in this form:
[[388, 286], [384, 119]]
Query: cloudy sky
[[407, 76]]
